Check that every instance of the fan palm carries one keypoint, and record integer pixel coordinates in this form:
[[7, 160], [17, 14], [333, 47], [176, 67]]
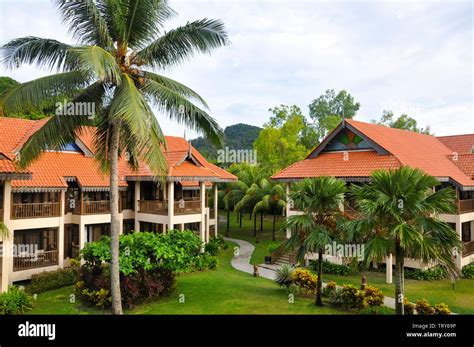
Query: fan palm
[[119, 43], [397, 213], [319, 200]]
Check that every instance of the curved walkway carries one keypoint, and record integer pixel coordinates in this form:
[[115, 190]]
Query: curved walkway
[[241, 262]]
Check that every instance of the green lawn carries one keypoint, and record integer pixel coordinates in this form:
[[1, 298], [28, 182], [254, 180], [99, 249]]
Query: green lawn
[[246, 233], [221, 291]]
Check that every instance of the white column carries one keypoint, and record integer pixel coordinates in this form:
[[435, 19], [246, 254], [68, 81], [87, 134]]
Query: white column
[[181, 226], [137, 204], [170, 205], [389, 263], [61, 230], [202, 225], [163, 228], [7, 260], [287, 189], [82, 235], [216, 208]]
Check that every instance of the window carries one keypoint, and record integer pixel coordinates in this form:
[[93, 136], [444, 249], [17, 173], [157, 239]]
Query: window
[[128, 226], [466, 231], [45, 239], [128, 198]]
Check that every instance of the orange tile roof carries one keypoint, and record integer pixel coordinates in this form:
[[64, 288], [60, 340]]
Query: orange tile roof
[[358, 164], [465, 162], [405, 147], [461, 144], [51, 168]]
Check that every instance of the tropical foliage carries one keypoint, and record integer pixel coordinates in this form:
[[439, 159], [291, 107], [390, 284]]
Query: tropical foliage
[[397, 212], [319, 200]]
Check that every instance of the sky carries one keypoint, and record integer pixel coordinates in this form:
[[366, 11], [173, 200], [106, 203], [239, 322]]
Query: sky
[[406, 56]]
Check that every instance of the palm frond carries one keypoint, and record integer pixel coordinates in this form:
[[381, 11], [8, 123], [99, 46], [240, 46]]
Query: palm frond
[[46, 53], [183, 111], [53, 88], [85, 21], [98, 61], [181, 43]]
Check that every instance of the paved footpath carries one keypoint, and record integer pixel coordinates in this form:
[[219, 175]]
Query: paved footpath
[[241, 262]]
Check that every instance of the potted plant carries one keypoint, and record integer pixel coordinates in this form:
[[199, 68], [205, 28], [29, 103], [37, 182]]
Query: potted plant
[[272, 247]]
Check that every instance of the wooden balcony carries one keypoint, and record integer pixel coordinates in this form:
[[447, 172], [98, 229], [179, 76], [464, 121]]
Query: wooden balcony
[[1, 214], [96, 207], [161, 207], [153, 207], [466, 205], [32, 261], [467, 248], [36, 210]]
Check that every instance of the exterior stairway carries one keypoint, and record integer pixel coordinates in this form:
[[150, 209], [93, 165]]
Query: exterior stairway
[[285, 258]]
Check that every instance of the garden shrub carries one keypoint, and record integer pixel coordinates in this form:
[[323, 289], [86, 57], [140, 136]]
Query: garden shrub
[[215, 245], [373, 296], [148, 265], [348, 297], [15, 301], [49, 280], [468, 271], [284, 275], [305, 279], [442, 309], [409, 307], [329, 289], [333, 269], [273, 246], [423, 307], [352, 298], [435, 273]]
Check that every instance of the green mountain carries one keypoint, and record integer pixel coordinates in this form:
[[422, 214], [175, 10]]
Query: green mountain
[[237, 136]]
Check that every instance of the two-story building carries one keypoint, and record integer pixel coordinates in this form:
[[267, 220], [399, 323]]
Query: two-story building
[[62, 200], [355, 149]]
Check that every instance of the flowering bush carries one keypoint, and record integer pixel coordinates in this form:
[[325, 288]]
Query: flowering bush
[[305, 280], [423, 307], [409, 307], [442, 309], [373, 296]]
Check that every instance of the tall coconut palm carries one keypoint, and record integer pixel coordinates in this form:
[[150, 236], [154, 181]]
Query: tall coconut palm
[[272, 200], [397, 213], [119, 43], [319, 199]]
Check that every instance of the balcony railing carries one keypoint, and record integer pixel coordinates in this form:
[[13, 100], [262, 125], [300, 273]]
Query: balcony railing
[[96, 207], [32, 261], [466, 205], [187, 207], [161, 207], [1, 214], [36, 210], [467, 248], [153, 206]]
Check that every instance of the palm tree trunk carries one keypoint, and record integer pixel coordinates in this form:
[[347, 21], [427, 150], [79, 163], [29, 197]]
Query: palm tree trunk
[[240, 221], [114, 222], [273, 227], [399, 279], [319, 282], [228, 223], [261, 221], [255, 225]]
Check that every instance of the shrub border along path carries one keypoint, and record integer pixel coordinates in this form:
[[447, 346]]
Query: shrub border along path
[[241, 262]]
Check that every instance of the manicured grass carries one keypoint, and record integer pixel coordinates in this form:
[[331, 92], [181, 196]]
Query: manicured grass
[[221, 291], [460, 299], [246, 233]]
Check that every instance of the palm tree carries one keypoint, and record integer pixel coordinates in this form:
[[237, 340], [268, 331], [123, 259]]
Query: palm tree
[[398, 215], [272, 200], [119, 43], [319, 199]]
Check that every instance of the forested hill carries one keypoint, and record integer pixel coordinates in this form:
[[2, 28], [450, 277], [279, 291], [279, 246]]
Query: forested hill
[[237, 136]]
